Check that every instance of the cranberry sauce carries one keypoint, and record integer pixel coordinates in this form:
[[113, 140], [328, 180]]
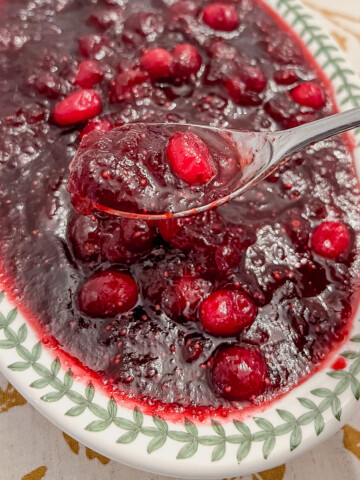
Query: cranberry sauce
[[201, 315], [148, 168]]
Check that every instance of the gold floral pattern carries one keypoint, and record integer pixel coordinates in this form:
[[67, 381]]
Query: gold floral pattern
[[10, 398], [352, 440], [37, 474]]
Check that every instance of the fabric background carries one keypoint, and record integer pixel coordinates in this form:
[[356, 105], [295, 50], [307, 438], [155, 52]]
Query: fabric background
[[32, 449]]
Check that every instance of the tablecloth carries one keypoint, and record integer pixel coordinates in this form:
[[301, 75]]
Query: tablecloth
[[32, 449]]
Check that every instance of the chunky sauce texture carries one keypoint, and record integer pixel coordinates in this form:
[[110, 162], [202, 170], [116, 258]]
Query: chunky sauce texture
[[295, 289]]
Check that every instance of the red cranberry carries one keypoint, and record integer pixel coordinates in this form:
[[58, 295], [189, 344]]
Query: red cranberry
[[89, 74], [91, 45], [220, 16], [330, 239], [99, 125], [77, 107], [193, 347], [240, 94], [191, 291], [238, 373], [125, 81], [184, 8], [108, 293], [168, 229], [49, 85], [137, 235], [105, 17], [142, 24], [187, 60], [309, 95], [285, 77], [84, 237], [190, 159], [253, 77], [227, 312], [158, 63]]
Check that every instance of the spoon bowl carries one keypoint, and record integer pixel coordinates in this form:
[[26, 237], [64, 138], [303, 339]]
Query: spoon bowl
[[112, 169]]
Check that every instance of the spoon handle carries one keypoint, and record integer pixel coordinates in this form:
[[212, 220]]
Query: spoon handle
[[294, 139]]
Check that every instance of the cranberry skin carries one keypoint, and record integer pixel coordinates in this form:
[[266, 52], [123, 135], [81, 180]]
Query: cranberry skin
[[137, 235], [187, 60], [226, 313], [89, 74], [254, 78], [84, 237], [240, 94], [158, 63], [309, 95], [99, 125], [105, 18], [330, 239], [77, 107], [125, 81], [108, 293], [91, 45], [190, 158], [220, 16], [191, 291], [184, 8], [285, 77], [238, 373], [168, 229]]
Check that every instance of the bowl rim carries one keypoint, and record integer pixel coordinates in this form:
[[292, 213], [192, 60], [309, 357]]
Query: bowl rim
[[290, 426]]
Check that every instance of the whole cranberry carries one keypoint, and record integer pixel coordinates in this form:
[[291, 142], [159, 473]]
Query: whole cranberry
[[158, 63], [92, 45], [253, 77], [190, 158], [330, 239], [105, 17], [184, 8], [187, 60], [77, 107], [221, 16], [227, 312], [137, 235], [238, 373], [126, 80], [89, 74], [168, 229], [84, 238], [191, 291], [285, 77], [241, 94], [108, 293], [98, 125], [309, 94]]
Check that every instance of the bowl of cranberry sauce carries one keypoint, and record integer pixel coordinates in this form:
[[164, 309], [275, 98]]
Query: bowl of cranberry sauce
[[215, 316]]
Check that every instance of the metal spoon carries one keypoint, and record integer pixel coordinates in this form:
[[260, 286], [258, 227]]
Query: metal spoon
[[260, 152]]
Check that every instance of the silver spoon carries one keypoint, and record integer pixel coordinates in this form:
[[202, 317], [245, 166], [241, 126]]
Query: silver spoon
[[261, 153]]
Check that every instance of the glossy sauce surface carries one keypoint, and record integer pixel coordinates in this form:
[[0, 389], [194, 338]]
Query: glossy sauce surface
[[260, 244]]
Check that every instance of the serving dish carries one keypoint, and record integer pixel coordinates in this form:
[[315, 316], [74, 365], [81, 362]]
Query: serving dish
[[308, 414]]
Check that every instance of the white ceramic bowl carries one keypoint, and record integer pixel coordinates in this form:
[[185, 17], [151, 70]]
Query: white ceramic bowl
[[307, 415]]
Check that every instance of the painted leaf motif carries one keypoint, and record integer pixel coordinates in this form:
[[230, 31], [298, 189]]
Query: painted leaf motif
[[188, 450], [352, 440], [218, 452], [128, 437], [156, 443], [243, 450]]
